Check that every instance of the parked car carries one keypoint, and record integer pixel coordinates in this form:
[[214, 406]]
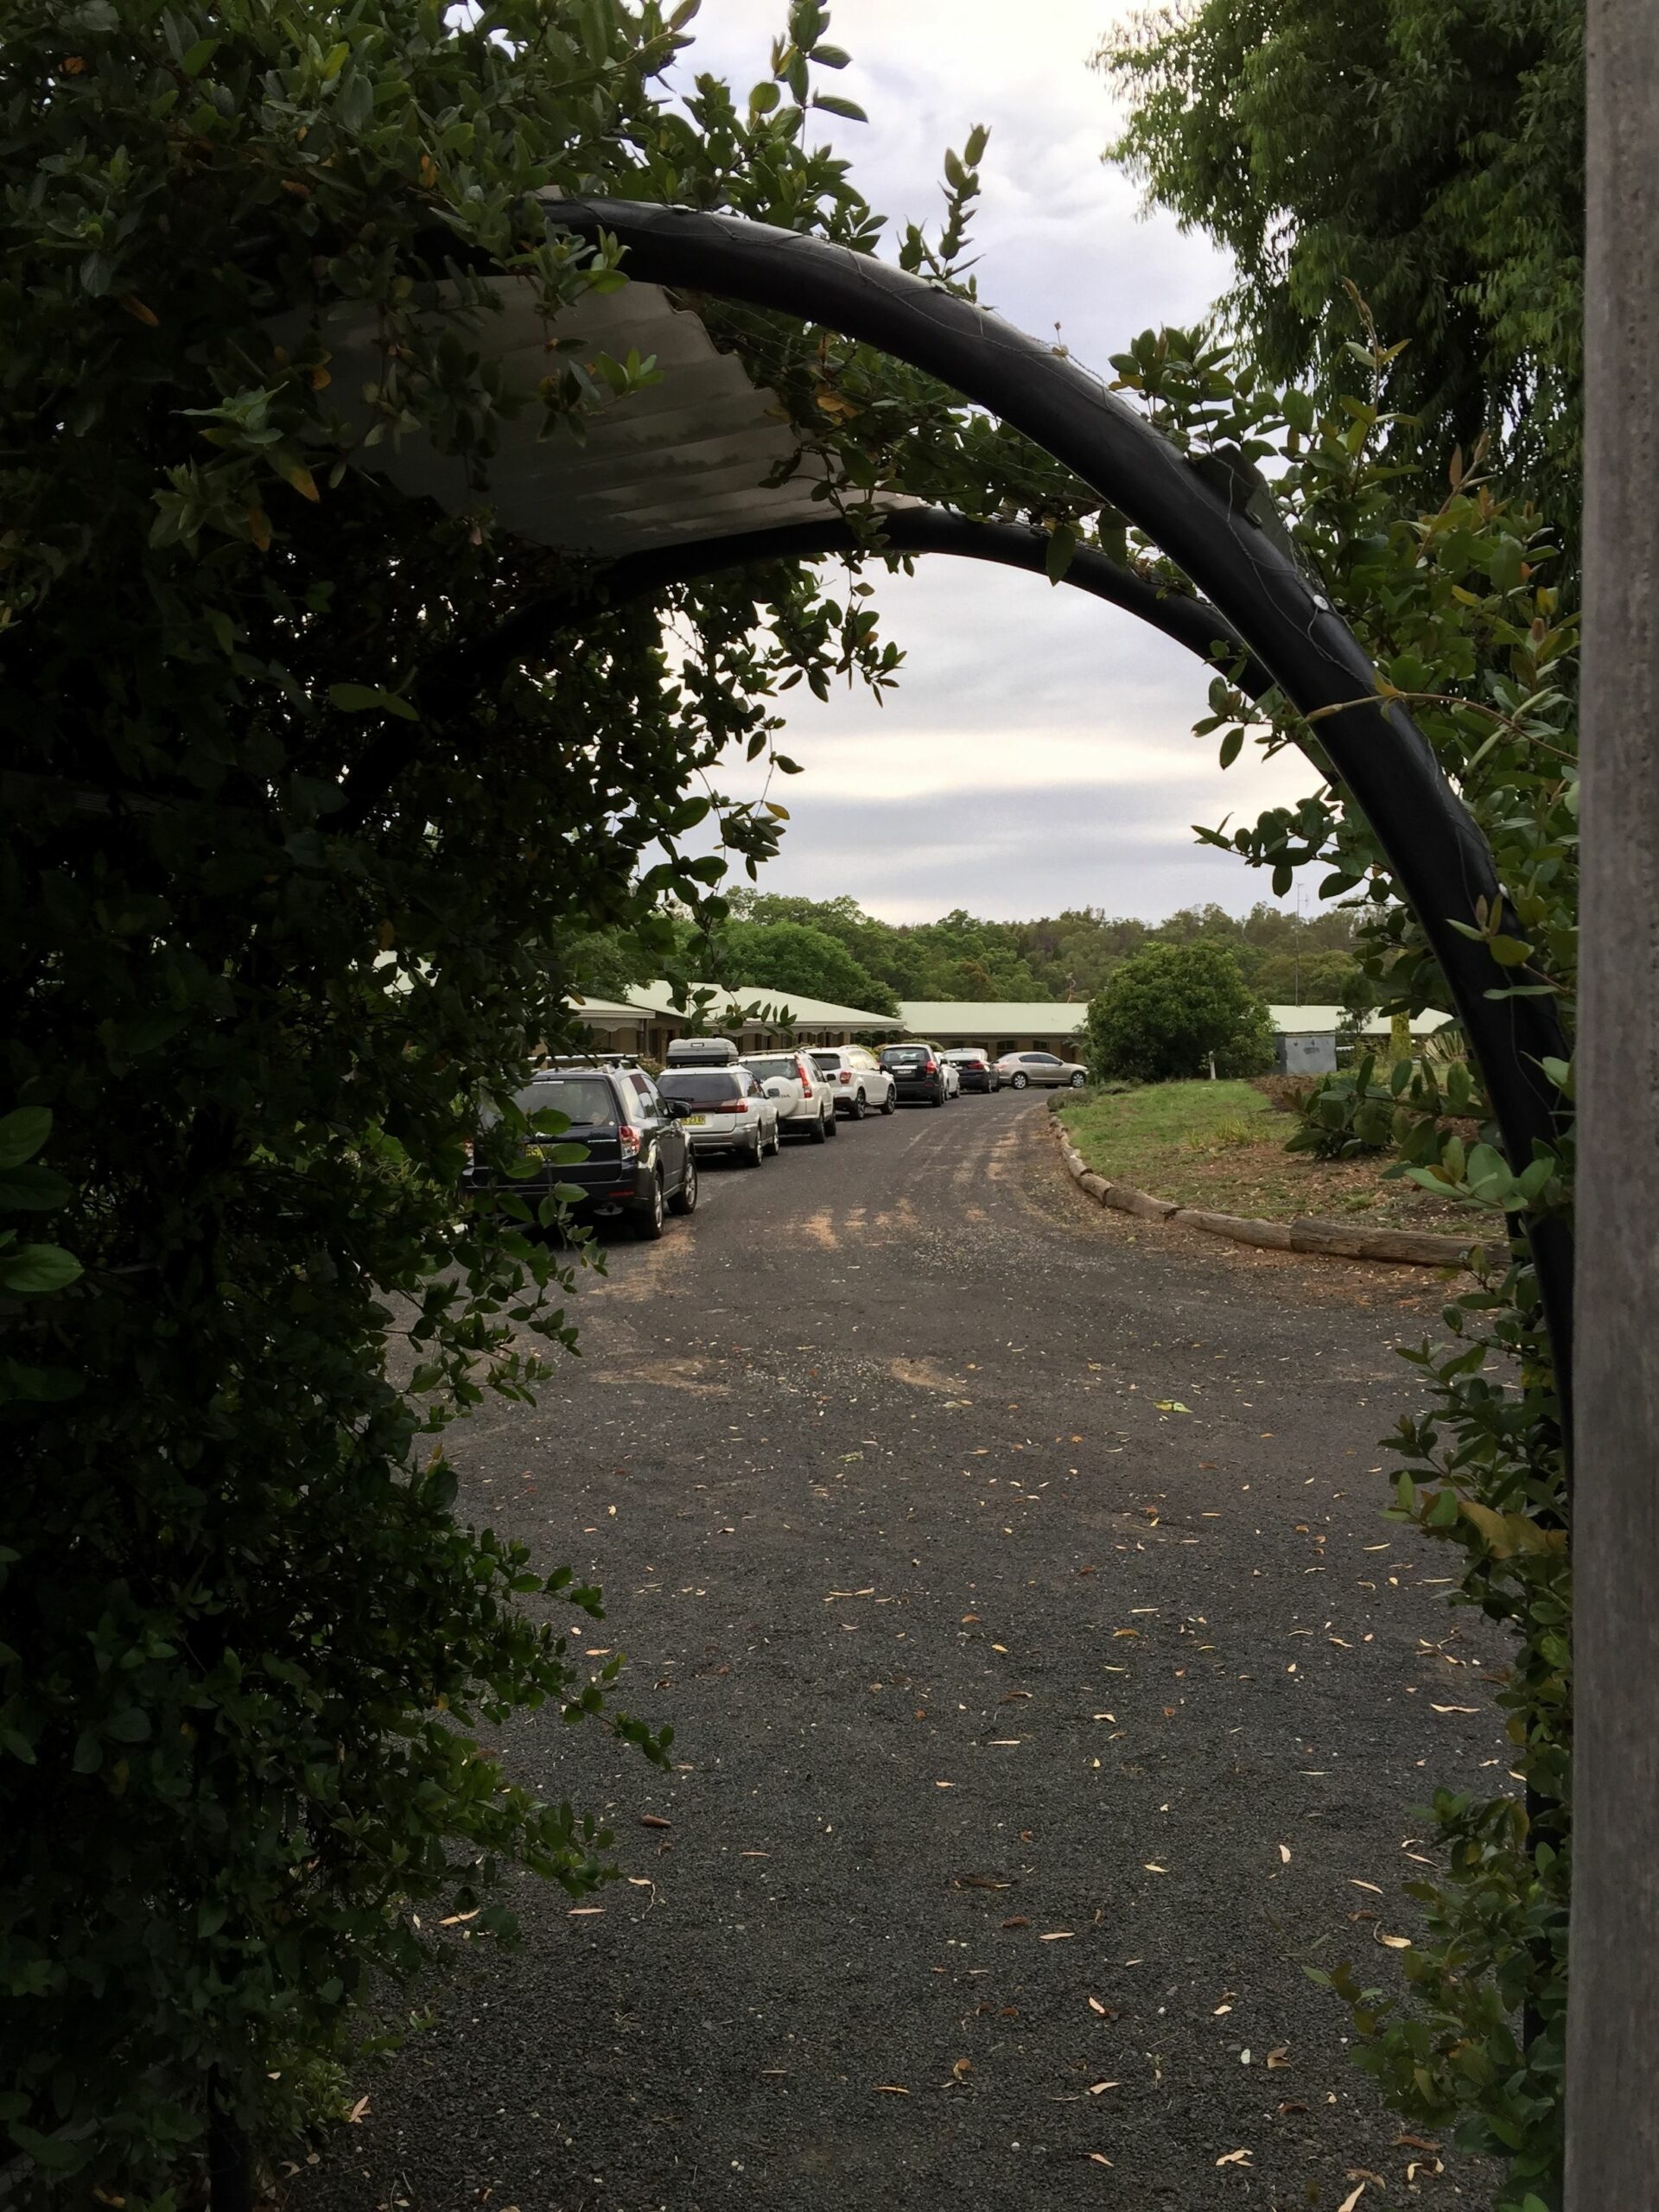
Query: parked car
[[639, 1166], [974, 1068], [1019, 1069], [858, 1078], [920, 1072], [804, 1101], [727, 1111]]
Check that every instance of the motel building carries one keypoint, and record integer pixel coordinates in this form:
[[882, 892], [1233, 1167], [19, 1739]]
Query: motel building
[[757, 1018]]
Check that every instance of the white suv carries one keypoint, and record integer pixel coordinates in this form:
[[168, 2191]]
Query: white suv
[[805, 1103], [860, 1081], [726, 1110]]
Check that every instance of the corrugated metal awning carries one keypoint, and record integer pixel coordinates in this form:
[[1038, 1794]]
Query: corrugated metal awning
[[686, 458]]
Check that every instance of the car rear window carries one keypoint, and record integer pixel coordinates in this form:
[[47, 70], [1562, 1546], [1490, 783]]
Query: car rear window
[[702, 1087], [904, 1055], [782, 1063], [587, 1099], [828, 1061]]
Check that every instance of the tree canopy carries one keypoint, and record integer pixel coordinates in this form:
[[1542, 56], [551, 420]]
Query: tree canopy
[[792, 956], [1429, 156], [1065, 957], [1168, 1010], [1283, 956]]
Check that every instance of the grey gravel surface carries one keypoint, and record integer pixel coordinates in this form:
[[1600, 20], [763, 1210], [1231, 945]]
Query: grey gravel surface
[[1049, 1692]]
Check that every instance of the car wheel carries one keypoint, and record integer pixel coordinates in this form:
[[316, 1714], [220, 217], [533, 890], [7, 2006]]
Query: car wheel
[[684, 1200], [751, 1155], [817, 1131], [777, 1140], [832, 1123], [937, 1099], [888, 1103], [1078, 1080], [650, 1219], [858, 1106], [1018, 1082]]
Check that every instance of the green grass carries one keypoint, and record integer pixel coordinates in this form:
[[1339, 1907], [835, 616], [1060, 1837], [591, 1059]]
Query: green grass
[[1222, 1146]]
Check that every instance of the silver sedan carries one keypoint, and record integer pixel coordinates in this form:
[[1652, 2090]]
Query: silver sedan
[[1018, 1070]]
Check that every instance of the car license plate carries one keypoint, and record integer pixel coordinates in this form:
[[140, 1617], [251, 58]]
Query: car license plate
[[696, 1121]]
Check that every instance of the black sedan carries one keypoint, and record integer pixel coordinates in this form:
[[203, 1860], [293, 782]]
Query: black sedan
[[975, 1069]]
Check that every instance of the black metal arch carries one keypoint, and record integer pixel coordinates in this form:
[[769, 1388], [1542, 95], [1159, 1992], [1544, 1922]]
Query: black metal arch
[[1439, 858], [905, 530]]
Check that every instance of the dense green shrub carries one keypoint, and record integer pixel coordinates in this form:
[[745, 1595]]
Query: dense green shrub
[[1344, 1114], [1166, 1012], [284, 903]]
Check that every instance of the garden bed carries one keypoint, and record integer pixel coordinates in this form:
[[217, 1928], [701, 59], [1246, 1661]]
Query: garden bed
[[1221, 1145]]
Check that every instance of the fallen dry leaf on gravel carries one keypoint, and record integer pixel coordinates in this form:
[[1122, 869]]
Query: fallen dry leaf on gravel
[[1235, 2158], [1349, 2202], [890, 2089]]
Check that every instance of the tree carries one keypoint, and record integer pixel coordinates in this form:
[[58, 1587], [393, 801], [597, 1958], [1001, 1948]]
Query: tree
[[1168, 1009], [1315, 979], [788, 957], [1430, 155]]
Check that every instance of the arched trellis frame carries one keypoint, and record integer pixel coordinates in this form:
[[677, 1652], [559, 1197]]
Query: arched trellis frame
[[1261, 608]]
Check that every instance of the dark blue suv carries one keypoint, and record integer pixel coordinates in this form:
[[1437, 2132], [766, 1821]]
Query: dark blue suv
[[639, 1166]]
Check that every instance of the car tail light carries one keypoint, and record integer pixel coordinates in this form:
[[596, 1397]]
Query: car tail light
[[929, 1067], [724, 1106], [806, 1084], [628, 1138], [845, 1075]]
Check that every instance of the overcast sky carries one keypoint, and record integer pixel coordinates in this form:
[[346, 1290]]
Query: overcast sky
[[1038, 753]]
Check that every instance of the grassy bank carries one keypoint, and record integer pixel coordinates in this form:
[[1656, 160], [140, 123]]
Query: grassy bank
[[1222, 1146]]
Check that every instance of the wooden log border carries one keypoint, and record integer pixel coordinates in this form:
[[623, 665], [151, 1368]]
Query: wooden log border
[[1332, 1240]]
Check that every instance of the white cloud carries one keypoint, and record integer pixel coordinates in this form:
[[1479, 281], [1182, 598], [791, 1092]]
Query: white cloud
[[1038, 751]]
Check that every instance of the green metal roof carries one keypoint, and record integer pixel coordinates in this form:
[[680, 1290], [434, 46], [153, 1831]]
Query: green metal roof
[[805, 1013], [998, 1017]]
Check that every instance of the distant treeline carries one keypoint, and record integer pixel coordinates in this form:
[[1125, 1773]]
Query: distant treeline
[[832, 949]]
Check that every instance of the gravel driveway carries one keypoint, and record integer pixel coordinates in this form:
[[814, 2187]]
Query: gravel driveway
[[1048, 1693]]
